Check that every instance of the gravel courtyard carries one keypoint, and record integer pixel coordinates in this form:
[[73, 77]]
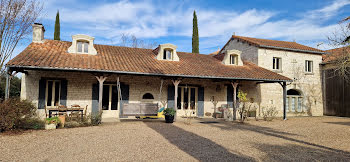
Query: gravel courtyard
[[298, 139]]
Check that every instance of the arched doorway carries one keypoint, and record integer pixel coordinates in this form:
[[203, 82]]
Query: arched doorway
[[294, 100]]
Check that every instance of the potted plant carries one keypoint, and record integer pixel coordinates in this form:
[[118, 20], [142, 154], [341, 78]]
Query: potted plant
[[51, 123], [169, 114]]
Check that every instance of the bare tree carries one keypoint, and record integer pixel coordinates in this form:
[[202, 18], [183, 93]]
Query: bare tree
[[347, 19], [341, 57], [132, 41], [16, 18]]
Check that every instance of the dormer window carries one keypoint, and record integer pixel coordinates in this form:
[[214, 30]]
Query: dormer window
[[233, 59], [168, 54], [82, 44], [82, 47]]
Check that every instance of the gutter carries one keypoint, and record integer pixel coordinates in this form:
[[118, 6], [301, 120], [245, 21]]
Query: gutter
[[291, 49], [139, 73]]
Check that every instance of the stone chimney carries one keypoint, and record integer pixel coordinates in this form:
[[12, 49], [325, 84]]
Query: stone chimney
[[38, 33]]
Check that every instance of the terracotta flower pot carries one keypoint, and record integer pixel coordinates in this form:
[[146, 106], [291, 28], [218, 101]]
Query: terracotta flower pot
[[62, 120]]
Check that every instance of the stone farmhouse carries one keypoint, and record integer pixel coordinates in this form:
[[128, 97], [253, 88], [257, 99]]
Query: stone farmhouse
[[121, 80], [298, 62]]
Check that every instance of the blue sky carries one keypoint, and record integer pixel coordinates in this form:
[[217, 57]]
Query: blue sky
[[307, 22]]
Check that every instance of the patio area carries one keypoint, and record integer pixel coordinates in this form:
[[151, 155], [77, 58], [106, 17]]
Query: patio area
[[299, 138]]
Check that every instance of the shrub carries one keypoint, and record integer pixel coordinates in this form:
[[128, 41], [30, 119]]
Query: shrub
[[53, 120], [90, 120], [15, 113], [72, 124], [169, 111], [242, 96], [32, 123], [269, 113], [96, 118]]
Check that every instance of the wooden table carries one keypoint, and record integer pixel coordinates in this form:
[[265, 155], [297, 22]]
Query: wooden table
[[52, 109]]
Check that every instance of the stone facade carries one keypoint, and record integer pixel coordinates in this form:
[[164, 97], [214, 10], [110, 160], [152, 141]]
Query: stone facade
[[79, 89], [293, 66], [249, 52]]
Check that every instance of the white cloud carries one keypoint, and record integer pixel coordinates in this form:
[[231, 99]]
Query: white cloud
[[147, 19], [329, 10]]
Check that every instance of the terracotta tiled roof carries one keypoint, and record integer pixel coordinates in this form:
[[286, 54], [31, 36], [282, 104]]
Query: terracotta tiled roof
[[53, 54], [333, 54], [215, 53], [284, 45]]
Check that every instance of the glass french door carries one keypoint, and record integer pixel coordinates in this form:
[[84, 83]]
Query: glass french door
[[110, 97], [187, 98]]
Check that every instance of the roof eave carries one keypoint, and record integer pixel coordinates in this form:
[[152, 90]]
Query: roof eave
[[140, 73], [292, 49]]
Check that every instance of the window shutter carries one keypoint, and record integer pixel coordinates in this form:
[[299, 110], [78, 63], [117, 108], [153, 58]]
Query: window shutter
[[114, 105], [229, 96], [171, 96], [201, 101], [164, 54], [178, 97], [125, 96], [94, 104], [63, 95], [42, 91]]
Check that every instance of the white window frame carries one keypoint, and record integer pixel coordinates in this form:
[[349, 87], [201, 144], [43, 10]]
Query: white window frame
[[166, 55], [53, 92], [189, 97], [274, 63], [296, 103], [309, 69], [234, 59], [83, 46]]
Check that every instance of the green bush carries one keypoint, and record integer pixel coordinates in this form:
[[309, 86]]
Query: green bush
[[32, 123], [169, 111], [72, 124], [15, 85], [53, 120], [15, 113], [96, 118]]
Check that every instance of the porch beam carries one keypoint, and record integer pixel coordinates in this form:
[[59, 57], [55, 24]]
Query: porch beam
[[234, 85], [100, 80], [176, 84]]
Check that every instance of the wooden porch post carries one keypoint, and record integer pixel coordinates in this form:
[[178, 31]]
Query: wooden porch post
[[284, 86], [9, 74], [160, 93], [176, 84], [234, 85], [100, 79], [7, 86]]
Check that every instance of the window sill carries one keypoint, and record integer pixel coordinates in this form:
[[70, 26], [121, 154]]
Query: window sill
[[309, 73], [277, 71]]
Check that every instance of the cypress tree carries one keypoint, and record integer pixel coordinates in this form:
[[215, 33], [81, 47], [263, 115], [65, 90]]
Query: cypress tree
[[195, 38], [57, 27]]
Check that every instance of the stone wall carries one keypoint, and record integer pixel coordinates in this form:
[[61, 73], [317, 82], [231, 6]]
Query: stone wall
[[293, 66], [80, 89], [249, 52]]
